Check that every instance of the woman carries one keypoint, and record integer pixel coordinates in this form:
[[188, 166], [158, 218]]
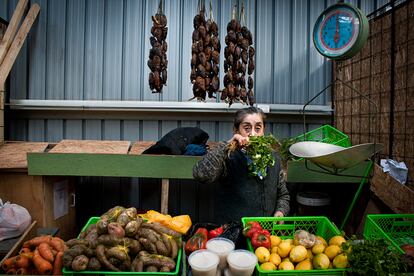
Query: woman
[[237, 194]]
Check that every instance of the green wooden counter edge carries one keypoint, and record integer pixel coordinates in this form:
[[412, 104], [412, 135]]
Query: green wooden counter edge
[[297, 172], [117, 165]]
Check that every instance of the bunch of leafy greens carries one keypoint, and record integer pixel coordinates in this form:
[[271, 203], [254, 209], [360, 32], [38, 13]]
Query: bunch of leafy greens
[[373, 257], [259, 152]]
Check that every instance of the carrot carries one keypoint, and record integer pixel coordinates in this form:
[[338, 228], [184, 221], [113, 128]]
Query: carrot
[[58, 244], [24, 250], [42, 266], [9, 263], [22, 261], [23, 271], [46, 252], [11, 271], [36, 241], [58, 264]]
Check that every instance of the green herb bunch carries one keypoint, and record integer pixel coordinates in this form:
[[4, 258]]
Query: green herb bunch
[[259, 151], [373, 257]]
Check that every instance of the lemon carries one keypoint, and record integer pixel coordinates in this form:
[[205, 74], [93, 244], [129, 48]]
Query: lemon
[[310, 255], [340, 261], [319, 240], [331, 251], [318, 248], [275, 240], [337, 240], [290, 241], [286, 266], [267, 266], [262, 254], [304, 265], [320, 261], [273, 249], [275, 258], [298, 254], [284, 249], [286, 259]]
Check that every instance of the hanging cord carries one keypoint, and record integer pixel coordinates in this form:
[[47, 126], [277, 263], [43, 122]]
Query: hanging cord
[[243, 20], [161, 7], [201, 6], [211, 12], [234, 12]]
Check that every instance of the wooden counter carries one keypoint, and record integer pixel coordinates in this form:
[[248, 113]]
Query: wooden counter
[[35, 193]]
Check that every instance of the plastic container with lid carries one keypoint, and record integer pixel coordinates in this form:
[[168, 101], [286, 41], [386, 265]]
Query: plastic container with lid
[[203, 263], [222, 247], [241, 262]]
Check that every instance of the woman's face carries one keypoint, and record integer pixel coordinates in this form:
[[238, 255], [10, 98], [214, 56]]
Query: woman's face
[[252, 125]]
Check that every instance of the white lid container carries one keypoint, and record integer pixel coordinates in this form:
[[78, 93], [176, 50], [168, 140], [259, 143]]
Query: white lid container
[[203, 263]]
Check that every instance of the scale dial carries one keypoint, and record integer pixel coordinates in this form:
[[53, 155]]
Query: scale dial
[[340, 31]]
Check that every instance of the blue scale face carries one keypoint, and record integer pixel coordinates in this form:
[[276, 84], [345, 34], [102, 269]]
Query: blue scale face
[[336, 32]]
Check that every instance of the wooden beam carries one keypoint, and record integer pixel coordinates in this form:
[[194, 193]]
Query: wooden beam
[[12, 28], [118, 165], [165, 186], [18, 41]]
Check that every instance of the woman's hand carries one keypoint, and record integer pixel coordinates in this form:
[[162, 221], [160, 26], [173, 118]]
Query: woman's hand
[[279, 214], [241, 140]]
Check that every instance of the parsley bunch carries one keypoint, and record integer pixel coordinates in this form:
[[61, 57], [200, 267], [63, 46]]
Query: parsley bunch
[[259, 152], [373, 257]]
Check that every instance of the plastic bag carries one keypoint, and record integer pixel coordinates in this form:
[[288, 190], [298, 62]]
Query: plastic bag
[[14, 219]]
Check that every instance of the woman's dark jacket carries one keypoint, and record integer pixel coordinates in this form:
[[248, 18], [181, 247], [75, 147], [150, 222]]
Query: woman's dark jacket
[[237, 194]]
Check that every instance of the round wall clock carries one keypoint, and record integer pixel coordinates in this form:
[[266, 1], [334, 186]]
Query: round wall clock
[[340, 31]]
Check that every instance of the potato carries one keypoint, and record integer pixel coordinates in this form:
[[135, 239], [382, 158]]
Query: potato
[[116, 230], [80, 263]]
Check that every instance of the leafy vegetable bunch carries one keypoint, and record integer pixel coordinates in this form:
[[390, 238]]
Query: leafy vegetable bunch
[[373, 257], [259, 152]]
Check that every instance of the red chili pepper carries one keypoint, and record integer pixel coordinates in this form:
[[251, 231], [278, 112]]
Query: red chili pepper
[[197, 241], [215, 232], [250, 228], [261, 238]]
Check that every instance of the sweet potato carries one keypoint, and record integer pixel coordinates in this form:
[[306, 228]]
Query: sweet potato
[[123, 219], [42, 266], [131, 228], [116, 230], [151, 268], [174, 248], [72, 242], [23, 271], [67, 260], [165, 269], [133, 245], [149, 246], [149, 234], [80, 263], [84, 233], [158, 261], [120, 252], [94, 264], [46, 252], [79, 250], [161, 229], [161, 249], [167, 244], [102, 226], [113, 213], [58, 264], [100, 254], [11, 271], [137, 265], [92, 238], [126, 265], [109, 240], [57, 243]]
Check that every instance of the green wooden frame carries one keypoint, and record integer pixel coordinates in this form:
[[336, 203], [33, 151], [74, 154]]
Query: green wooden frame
[[116, 165]]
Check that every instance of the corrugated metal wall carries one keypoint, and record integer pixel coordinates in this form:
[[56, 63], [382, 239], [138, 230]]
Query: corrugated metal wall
[[98, 49]]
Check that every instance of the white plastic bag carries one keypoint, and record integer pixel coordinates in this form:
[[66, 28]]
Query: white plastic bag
[[14, 219]]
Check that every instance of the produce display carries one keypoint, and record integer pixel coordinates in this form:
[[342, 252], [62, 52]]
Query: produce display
[[122, 241], [305, 251], [158, 62], [205, 56], [39, 256], [239, 62]]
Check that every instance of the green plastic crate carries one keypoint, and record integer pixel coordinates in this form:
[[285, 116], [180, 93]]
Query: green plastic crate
[[320, 226], [93, 220], [326, 134], [397, 229]]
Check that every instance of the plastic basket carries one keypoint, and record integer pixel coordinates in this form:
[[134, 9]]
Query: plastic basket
[[93, 220], [320, 226], [397, 229], [326, 134]]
